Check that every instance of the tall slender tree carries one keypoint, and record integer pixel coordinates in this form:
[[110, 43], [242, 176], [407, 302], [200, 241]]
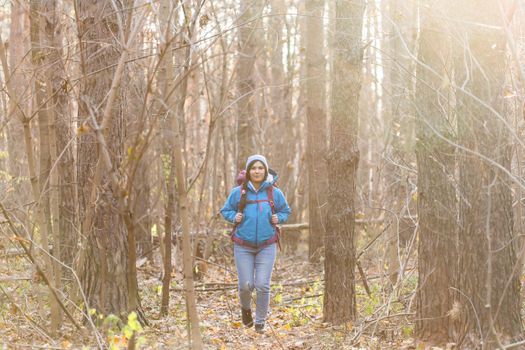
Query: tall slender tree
[[17, 87], [135, 90], [40, 182], [317, 127], [436, 200], [400, 19], [166, 80], [250, 22], [279, 110], [339, 298], [177, 115], [62, 126]]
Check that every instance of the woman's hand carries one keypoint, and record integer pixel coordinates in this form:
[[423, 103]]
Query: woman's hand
[[275, 219], [238, 218]]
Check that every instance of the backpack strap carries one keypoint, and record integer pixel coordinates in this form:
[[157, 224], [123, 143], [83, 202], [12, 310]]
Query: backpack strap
[[240, 208], [269, 190], [242, 199]]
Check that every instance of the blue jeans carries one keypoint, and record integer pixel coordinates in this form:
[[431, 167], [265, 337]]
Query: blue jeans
[[254, 270]]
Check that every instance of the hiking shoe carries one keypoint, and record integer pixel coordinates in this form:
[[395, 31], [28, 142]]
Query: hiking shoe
[[259, 328], [247, 319]]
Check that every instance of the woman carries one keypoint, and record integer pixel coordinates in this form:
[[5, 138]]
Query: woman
[[255, 214]]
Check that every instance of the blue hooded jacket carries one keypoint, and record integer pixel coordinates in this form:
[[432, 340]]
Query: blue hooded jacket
[[256, 226]]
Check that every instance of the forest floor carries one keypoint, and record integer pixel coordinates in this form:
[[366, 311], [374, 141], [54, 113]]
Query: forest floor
[[295, 322]]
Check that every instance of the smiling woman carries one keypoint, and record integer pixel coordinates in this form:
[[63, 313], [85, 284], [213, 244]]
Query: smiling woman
[[257, 174], [255, 208]]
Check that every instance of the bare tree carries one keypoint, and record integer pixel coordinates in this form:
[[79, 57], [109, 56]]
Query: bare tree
[[61, 127], [437, 205], [103, 264], [401, 21], [339, 299], [317, 127], [40, 182], [40, 42], [176, 113], [250, 28], [19, 98], [489, 287], [279, 112], [166, 80]]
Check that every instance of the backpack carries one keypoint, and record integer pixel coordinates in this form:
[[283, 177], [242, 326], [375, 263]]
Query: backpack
[[242, 204]]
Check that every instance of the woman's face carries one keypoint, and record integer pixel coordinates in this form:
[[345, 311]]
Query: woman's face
[[257, 172]]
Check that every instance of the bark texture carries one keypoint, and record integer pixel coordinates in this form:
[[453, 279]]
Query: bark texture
[[339, 299], [19, 100], [249, 31], [489, 286], [104, 274], [316, 147], [437, 204]]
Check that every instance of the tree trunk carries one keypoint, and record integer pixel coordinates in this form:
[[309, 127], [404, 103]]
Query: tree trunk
[[167, 81], [61, 180], [104, 268], [437, 205], [175, 111], [281, 125], [398, 149], [251, 22], [135, 93], [17, 85], [41, 184], [143, 212], [339, 299], [62, 126], [191, 303], [288, 126], [168, 229], [317, 127], [489, 284], [183, 204]]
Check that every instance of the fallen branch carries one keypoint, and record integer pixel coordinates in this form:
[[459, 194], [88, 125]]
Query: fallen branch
[[295, 227], [14, 278], [306, 225], [11, 252]]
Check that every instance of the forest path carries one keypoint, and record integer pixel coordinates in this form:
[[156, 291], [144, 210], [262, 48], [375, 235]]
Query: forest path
[[295, 310], [295, 320]]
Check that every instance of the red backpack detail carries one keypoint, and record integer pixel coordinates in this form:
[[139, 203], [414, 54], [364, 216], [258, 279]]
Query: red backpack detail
[[241, 177]]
